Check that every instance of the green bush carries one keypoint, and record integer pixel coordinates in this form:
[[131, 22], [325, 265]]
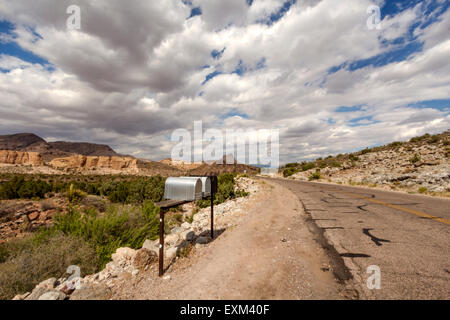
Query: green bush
[[75, 195], [315, 176], [18, 187], [117, 227], [435, 138], [308, 166], [415, 159], [119, 189], [289, 172], [395, 144], [421, 138], [423, 190], [26, 262]]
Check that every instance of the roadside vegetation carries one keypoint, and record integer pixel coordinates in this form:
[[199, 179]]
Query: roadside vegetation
[[84, 235], [352, 158]]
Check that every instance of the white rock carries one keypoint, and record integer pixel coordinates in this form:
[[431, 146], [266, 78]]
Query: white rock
[[171, 239], [123, 254], [53, 295], [170, 253]]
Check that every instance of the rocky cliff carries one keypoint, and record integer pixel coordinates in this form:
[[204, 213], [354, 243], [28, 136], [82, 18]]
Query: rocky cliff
[[20, 158], [81, 162]]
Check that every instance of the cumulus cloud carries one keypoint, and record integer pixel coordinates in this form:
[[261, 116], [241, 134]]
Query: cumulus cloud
[[136, 71]]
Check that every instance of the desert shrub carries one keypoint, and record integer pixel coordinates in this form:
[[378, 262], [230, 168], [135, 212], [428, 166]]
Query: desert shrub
[[435, 138], [75, 195], [421, 138], [366, 150], [446, 142], [415, 159], [395, 144], [423, 190], [291, 165], [95, 202], [37, 258], [18, 187], [308, 166], [352, 157], [289, 171], [242, 193], [315, 176], [117, 227], [135, 191], [335, 164]]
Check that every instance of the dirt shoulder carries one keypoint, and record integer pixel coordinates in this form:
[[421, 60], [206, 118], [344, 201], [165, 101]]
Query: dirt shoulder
[[269, 254]]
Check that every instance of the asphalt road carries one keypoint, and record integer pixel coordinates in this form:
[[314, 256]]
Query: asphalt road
[[406, 236]]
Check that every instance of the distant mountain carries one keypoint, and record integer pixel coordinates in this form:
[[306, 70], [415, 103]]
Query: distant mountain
[[20, 141], [29, 142], [84, 148]]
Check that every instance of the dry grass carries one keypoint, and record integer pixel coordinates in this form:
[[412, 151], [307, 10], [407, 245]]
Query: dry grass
[[29, 261]]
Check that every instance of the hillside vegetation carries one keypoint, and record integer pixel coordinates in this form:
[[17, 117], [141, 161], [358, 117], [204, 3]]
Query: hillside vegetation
[[421, 164]]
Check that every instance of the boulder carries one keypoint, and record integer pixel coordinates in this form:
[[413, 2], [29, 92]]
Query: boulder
[[21, 296], [123, 254], [48, 284], [143, 258], [151, 245], [53, 295], [92, 292], [186, 225], [171, 239], [170, 253], [37, 293]]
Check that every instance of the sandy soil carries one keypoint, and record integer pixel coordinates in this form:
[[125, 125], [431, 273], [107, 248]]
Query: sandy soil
[[270, 254]]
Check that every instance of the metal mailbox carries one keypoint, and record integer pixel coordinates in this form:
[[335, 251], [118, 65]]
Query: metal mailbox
[[206, 185], [183, 188]]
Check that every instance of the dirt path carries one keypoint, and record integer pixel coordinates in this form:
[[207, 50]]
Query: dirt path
[[271, 254]]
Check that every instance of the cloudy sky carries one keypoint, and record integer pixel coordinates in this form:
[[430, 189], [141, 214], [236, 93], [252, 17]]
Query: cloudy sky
[[137, 70]]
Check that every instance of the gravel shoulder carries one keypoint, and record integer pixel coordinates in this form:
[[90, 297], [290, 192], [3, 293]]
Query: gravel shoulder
[[269, 254]]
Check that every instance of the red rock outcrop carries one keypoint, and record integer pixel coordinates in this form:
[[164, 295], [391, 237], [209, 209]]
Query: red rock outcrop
[[20, 158], [88, 163]]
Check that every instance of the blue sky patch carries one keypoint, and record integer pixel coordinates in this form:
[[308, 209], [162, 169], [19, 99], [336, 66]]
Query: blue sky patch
[[216, 54], [439, 104], [211, 76], [234, 113], [195, 12], [349, 109], [13, 49], [240, 69], [362, 121], [274, 17]]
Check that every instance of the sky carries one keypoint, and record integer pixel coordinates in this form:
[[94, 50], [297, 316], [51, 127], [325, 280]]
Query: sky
[[138, 70]]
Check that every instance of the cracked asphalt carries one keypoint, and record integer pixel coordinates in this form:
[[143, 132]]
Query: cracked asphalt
[[406, 236]]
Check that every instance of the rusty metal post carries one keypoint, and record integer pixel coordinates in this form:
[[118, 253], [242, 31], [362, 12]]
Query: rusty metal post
[[161, 242]]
